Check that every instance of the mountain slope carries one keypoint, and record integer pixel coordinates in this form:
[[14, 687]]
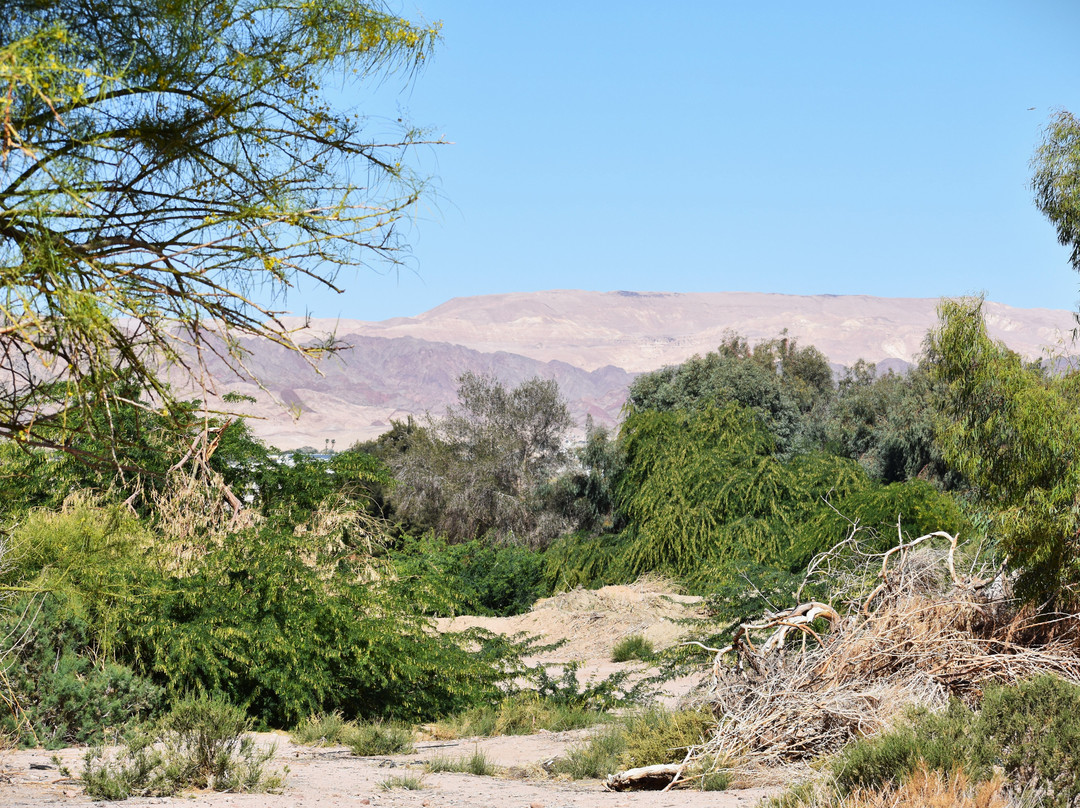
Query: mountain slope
[[592, 343]]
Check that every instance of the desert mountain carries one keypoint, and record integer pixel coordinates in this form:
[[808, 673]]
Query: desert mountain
[[592, 343]]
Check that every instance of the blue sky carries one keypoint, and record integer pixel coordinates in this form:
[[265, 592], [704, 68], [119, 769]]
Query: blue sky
[[831, 147]]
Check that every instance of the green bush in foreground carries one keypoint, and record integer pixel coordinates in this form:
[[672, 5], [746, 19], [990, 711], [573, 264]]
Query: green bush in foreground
[[641, 739], [201, 743], [379, 738], [1030, 730]]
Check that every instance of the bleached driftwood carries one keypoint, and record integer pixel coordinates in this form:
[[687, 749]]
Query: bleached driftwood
[[645, 778]]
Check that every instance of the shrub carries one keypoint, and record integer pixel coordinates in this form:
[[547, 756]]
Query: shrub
[[379, 738], [410, 782], [939, 741], [640, 739], [200, 743], [477, 763], [597, 757], [324, 729], [1032, 730], [662, 736], [633, 647], [477, 577], [520, 714]]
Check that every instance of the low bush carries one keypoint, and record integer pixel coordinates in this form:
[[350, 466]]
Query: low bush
[[477, 763], [519, 714], [201, 743], [633, 647], [476, 577], [378, 738], [597, 757], [1032, 730], [940, 741], [662, 736], [645, 738], [323, 729], [409, 782]]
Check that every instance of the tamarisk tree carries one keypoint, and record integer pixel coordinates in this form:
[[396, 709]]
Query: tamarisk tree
[[169, 170]]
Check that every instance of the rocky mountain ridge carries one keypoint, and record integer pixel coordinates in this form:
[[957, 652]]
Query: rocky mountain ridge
[[592, 343]]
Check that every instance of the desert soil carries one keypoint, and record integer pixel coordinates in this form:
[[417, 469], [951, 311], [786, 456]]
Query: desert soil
[[589, 622]]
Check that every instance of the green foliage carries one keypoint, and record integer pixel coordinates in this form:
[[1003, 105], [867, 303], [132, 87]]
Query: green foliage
[[201, 743], [640, 739], [585, 493], [1013, 430], [62, 693], [1032, 730], [595, 758], [578, 559], [477, 763], [323, 729], [524, 713], [597, 694], [476, 577], [633, 647], [705, 487], [941, 741], [409, 782], [885, 513], [478, 470], [887, 424], [1056, 180], [380, 738], [778, 381], [663, 736], [165, 165], [259, 622]]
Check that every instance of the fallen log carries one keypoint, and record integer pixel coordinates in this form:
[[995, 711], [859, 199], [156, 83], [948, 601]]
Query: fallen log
[[645, 778]]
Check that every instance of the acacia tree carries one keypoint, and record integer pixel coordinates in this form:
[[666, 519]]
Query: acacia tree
[[170, 169]]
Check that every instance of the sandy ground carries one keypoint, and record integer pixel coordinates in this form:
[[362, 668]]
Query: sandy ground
[[590, 623]]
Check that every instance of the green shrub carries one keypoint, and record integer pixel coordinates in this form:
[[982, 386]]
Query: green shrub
[[662, 736], [633, 647], [409, 782], [520, 714], [477, 763], [378, 738], [596, 757], [261, 623], [641, 739], [475, 577], [201, 743], [1032, 730], [324, 729], [940, 741]]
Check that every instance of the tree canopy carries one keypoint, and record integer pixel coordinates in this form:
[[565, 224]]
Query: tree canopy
[[1013, 429], [1056, 180], [170, 169]]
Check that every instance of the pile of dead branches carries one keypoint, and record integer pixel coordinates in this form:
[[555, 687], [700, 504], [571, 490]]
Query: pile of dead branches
[[908, 628]]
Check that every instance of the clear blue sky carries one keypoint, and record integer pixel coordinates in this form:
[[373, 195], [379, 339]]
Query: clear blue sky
[[829, 147]]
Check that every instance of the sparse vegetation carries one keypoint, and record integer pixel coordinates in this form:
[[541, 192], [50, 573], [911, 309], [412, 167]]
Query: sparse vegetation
[[201, 743], [477, 763], [633, 647], [378, 738]]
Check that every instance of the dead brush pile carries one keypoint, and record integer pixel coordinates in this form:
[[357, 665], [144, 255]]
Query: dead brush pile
[[910, 630]]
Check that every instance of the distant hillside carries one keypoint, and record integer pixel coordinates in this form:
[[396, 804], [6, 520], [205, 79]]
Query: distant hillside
[[592, 343]]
